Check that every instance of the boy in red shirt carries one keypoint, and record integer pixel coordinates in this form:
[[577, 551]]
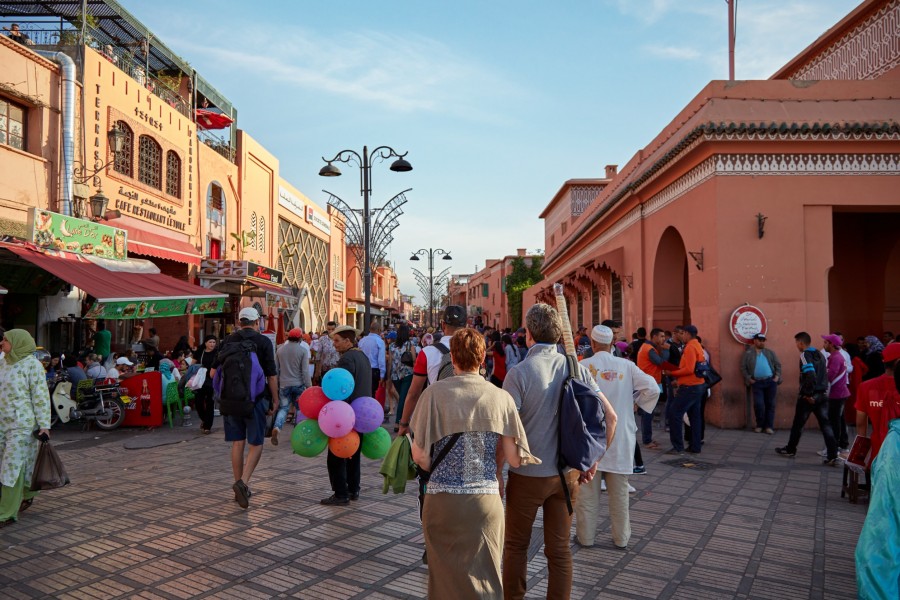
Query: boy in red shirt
[[871, 397]]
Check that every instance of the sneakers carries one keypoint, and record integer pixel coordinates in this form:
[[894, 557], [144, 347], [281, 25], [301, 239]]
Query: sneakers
[[241, 493], [831, 463], [335, 501], [275, 436], [631, 489], [675, 452], [641, 470], [757, 430], [823, 452], [769, 431], [785, 452]]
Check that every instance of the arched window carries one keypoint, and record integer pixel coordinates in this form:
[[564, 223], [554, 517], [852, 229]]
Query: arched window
[[261, 233], [215, 204], [173, 174], [124, 163], [149, 162], [253, 230]]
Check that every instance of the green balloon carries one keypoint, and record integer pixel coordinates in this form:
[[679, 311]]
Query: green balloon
[[376, 443], [307, 439]]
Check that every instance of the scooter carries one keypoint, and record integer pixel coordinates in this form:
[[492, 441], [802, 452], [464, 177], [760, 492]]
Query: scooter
[[104, 404]]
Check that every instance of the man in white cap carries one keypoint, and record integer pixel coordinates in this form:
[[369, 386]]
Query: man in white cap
[[251, 430], [624, 385], [121, 370]]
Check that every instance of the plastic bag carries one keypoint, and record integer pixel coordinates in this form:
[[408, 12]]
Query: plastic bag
[[49, 472], [196, 382]]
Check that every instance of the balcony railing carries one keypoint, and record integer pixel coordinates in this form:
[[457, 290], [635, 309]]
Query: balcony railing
[[218, 143]]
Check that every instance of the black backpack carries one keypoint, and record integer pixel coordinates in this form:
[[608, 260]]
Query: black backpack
[[239, 378], [582, 426]]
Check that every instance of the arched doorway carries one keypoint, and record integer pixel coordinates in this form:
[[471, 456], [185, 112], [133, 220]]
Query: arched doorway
[[671, 305]]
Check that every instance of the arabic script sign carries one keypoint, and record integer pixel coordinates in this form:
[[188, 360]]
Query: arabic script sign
[[60, 232], [746, 321]]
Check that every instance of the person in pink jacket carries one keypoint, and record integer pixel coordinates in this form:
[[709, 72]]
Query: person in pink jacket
[[838, 390]]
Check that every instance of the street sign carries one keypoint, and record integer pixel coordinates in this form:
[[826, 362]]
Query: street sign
[[746, 321]]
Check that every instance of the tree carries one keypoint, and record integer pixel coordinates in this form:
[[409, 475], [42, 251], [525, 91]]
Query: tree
[[521, 277]]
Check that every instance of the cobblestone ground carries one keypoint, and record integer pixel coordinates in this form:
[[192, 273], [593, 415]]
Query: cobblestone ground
[[159, 521]]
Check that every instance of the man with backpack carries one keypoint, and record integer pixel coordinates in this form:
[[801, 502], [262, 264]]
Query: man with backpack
[[344, 473], [246, 377], [536, 385], [433, 363]]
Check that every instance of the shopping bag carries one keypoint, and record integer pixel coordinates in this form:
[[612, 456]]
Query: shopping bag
[[49, 472], [196, 382]]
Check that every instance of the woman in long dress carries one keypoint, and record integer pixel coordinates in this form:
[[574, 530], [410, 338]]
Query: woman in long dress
[[24, 409], [463, 512]]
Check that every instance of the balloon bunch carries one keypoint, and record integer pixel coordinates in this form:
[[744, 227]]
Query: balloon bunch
[[339, 426]]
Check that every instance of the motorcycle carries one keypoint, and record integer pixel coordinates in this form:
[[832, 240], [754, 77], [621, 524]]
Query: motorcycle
[[104, 403]]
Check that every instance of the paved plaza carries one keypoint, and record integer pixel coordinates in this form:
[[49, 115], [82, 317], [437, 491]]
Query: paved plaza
[[158, 520]]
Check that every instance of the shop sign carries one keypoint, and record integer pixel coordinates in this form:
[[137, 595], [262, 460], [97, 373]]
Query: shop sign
[[282, 303], [266, 274], [239, 270], [166, 307], [291, 202], [148, 209], [339, 285], [746, 321], [314, 218], [80, 236], [351, 308]]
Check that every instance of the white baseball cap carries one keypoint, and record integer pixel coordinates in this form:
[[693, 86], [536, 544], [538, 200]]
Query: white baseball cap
[[123, 360], [248, 314]]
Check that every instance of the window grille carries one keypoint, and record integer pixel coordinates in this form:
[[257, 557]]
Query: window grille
[[149, 162], [124, 162], [173, 174]]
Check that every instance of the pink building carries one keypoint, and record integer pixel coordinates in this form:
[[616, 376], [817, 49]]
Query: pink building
[[484, 293], [782, 194]]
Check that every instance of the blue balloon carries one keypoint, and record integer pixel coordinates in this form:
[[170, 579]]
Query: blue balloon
[[338, 384]]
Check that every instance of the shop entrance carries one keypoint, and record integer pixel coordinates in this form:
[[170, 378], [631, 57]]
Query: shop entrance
[[671, 305], [864, 283]]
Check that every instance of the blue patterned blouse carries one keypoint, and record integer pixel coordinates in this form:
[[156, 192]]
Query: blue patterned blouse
[[469, 468]]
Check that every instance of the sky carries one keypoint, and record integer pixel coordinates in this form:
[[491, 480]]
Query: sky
[[498, 103]]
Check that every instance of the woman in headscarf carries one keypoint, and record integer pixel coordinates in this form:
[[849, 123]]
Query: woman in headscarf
[[873, 358], [24, 409], [472, 427]]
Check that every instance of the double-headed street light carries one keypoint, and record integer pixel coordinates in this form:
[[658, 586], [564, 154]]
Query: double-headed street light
[[430, 253], [364, 162]]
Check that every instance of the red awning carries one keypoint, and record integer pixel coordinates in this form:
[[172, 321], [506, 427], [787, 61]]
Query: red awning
[[106, 285], [141, 241], [207, 119]]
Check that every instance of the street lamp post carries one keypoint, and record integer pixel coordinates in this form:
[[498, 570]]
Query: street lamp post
[[365, 189], [431, 253]]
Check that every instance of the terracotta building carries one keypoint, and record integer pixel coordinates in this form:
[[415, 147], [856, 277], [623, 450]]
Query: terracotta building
[[781, 194]]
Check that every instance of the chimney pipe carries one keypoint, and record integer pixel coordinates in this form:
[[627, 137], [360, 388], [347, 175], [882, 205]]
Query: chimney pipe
[[68, 128]]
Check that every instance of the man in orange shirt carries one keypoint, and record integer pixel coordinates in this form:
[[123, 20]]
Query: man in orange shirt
[[689, 390], [651, 355]]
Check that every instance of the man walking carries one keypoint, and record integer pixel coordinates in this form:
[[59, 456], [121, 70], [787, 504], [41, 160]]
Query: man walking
[[344, 473], [812, 399], [625, 386], [251, 430], [838, 388], [762, 374], [373, 347], [535, 385], [293, 376], [689, 391]]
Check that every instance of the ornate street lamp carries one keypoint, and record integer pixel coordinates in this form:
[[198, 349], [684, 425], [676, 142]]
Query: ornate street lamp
[[430, 253], [364, 162]]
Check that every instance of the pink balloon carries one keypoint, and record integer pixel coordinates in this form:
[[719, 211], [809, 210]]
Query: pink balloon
[[336, 419]]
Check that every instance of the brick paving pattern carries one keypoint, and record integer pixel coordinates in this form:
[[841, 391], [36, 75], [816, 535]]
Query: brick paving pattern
[[161, 522]]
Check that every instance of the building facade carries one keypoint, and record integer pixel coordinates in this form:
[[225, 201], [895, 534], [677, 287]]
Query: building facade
[[779, 194]]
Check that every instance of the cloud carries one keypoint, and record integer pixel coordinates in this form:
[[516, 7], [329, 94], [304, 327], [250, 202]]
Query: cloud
[[673, 52], [406, 73]]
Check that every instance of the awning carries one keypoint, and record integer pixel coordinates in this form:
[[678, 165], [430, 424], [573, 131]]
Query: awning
[[270, 288], [208, 119], [141, 241], [123, 294]]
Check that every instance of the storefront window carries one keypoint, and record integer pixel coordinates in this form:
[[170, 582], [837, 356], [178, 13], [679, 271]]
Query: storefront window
[[124, 162]]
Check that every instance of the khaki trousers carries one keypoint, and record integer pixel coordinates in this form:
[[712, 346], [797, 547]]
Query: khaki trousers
[[524, 495], [588, 509]]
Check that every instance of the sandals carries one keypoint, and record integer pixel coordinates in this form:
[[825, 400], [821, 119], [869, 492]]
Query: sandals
[[651, 445], [26, 504]]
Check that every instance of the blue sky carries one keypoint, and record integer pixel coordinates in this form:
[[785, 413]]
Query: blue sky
[[498, 103]]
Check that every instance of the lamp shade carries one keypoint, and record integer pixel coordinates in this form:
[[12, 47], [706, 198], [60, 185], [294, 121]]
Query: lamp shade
[[116, 138], [330, 170], [414, 257], [401, 166], [447, 257], [98, 204]]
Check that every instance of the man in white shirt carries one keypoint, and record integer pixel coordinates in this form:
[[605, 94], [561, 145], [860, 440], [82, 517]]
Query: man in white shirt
[[624, 385], [373, 347]]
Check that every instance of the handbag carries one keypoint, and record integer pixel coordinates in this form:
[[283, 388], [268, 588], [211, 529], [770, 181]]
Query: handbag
[[49, 472], [707, 373], [196, 382]]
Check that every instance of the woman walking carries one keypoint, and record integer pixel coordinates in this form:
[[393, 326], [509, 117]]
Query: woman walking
[[474, 427], [401, 371], [24, 410], [203, 398]]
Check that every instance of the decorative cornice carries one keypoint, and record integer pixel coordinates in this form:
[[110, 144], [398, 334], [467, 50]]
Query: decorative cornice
[[870, 50]]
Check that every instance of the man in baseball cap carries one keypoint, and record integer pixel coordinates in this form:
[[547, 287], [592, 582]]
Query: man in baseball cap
[[838, 390]]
